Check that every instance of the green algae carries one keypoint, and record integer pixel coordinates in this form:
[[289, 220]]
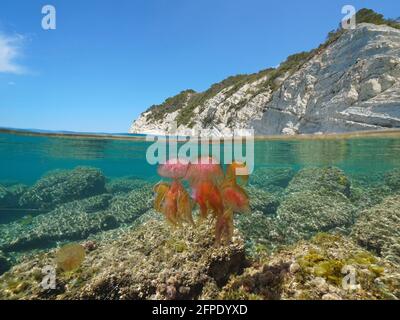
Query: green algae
[[26, 220], [321, 263], [176, 245]]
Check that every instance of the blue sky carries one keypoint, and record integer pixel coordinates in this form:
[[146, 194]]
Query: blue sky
[[107, 61]]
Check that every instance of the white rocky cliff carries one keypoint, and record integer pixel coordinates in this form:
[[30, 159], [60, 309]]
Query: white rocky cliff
[[352, 83]]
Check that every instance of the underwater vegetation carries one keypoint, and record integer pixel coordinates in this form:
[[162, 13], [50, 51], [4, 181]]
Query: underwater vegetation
[[316, 269], [217, 194]]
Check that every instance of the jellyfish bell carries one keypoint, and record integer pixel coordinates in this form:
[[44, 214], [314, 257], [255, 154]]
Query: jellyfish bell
[[173, 168], [204, 169]]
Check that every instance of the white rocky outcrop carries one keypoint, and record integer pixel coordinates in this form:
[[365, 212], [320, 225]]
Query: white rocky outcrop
[[353, 84]]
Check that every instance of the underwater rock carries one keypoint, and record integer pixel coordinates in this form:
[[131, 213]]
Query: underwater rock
[[299, 216], [303, 214], [10, 195], [63, 186], [150, 261], [261, 233], [109, 222], [270, 178], [4, 263], [377, 229], [75, 220], [320, 179], [97, 203], [321, 266], [392, 179], [124, 185], [262, 201], [4, 197], [314, 201], [367, 197]]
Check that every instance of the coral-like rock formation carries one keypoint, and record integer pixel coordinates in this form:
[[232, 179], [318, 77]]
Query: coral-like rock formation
[[303, 214], [262, 201], [321, 180], [63, 186], [4, 263], [392, 180], [271, 179], [378, 229], [147, 262], [315, 200], [76, 220], [328, 267], [10, 195], [124, 185]]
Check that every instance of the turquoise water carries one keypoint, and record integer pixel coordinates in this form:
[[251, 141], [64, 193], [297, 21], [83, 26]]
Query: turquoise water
[[26, 158], [60, 189]]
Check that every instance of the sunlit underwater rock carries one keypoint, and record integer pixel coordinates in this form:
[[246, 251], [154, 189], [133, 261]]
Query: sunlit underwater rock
[[70, 256], [262, 201], [302, 214], [124, 185], [63, 186], [10, 195], [315, 200], [392, 179], [378, 229], [320, 179], [76, 220], [4, 263], [313, 269], [260, 231], [370, 190], [271, 178], [149, 261], [367, 197], [4, 196]]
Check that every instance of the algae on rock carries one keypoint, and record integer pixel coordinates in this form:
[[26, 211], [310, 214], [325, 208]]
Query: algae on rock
[[313, 269], [62, 186], [148, 261], [377, 229]]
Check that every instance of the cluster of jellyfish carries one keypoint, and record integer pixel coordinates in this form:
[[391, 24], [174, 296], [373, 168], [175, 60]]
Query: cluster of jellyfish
[[217, 193]]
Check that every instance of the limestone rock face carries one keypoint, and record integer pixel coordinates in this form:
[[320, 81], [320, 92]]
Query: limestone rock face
[[225, 110], [350, 85], [354, 84]]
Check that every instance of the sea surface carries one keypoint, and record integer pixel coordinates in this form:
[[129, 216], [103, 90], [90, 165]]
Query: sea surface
[[26, 156], [48, 175]]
